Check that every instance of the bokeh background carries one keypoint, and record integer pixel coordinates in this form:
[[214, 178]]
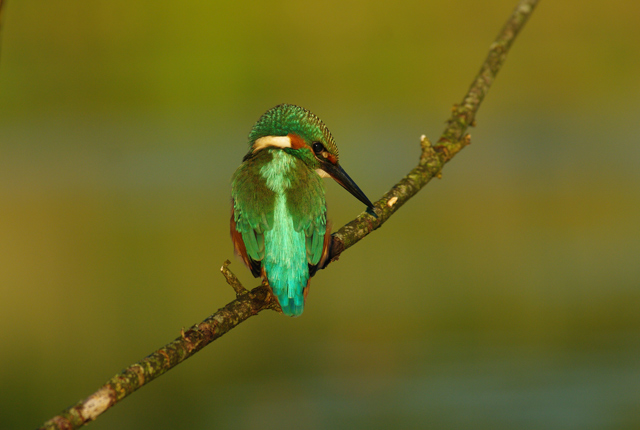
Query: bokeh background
[[506, 295]]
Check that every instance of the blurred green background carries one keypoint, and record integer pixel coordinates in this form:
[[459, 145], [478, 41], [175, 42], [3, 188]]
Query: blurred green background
[[506, 295]]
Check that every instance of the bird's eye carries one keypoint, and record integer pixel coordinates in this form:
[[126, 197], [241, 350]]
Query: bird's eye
[[318, 147]]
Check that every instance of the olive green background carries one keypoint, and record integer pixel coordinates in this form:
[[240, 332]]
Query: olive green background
[[504, 296]]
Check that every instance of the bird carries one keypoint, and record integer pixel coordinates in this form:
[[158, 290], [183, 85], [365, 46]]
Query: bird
[[279, 216]]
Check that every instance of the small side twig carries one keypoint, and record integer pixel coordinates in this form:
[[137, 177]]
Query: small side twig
[[233, 280]]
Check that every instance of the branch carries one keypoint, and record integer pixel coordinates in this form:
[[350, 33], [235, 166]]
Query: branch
[[249, 303], [453, 139]]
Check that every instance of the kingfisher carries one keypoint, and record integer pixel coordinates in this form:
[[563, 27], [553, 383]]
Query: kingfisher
[[279, 217]]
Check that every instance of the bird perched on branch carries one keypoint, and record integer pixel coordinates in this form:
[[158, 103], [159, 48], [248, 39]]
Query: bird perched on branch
[[278, 217]]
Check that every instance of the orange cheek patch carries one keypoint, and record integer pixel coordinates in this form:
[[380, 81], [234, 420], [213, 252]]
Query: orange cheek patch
[[332, 158], [296, 141]]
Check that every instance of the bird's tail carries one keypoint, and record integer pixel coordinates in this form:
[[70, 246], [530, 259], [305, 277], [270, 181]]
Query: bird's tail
[[291, 292]]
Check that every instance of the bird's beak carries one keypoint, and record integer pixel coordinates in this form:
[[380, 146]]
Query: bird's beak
[[341, 177]]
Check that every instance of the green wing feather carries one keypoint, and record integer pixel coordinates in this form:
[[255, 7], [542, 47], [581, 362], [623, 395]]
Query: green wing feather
[[253, 205]]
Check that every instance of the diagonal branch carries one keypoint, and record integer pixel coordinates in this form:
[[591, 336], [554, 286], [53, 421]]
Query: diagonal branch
[[453, 139], [249, 303]]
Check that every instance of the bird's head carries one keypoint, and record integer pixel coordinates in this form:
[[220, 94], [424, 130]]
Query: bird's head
[[303, 135]]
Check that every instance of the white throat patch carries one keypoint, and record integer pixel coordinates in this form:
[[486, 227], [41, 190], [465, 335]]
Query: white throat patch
[[275, 141]]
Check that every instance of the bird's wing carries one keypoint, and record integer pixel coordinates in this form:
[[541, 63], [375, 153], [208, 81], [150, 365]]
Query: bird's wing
[[251, 216], [241, 249]]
